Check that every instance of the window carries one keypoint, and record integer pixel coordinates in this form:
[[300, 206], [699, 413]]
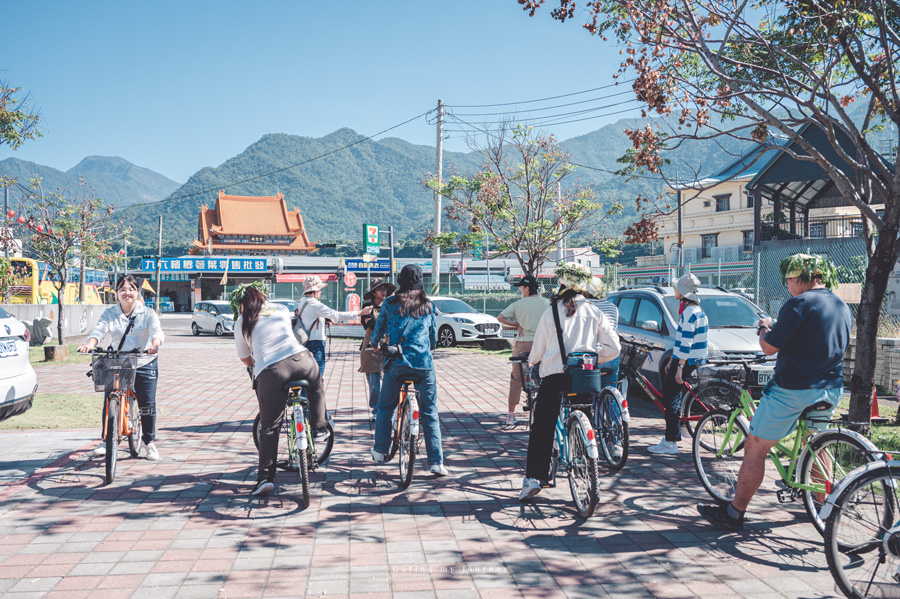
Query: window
[[749, 200], [708, 243], [723, 203], [748, 241], [649, 310], [626, 310], [817, 230]]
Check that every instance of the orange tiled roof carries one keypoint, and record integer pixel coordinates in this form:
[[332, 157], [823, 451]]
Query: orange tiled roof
[[250, 215]]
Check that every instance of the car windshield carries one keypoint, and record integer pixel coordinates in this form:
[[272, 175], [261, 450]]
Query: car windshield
[[722, 311], [454, 306], [4, 313]]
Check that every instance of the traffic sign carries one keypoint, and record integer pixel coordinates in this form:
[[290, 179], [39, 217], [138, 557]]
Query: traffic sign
[[371, 240], [350, 279]]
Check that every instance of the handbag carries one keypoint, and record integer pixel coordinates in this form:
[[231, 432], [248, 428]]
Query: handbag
[[582, 380]]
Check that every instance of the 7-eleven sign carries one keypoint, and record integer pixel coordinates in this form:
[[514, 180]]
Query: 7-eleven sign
[[371, 242]]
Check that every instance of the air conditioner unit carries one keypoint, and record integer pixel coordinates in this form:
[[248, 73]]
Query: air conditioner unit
[[725, 253], [691, 255]]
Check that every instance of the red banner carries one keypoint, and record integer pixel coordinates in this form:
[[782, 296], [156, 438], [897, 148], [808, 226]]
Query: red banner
[[300, 277]]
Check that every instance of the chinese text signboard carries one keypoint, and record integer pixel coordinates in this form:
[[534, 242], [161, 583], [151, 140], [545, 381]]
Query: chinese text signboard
[[371, 241], [235, 265], [362, 266]]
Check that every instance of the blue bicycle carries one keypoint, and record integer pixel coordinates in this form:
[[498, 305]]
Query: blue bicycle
[[575, 450]]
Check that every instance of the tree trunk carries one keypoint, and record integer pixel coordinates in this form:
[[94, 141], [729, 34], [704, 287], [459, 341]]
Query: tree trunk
[[60, 320], [862, 383]]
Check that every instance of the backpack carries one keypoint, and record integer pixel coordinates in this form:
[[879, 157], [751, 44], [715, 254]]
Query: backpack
[[301, 332]]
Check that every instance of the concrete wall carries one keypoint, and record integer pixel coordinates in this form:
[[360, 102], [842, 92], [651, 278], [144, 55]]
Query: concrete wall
[[79, 319], [887, 365]]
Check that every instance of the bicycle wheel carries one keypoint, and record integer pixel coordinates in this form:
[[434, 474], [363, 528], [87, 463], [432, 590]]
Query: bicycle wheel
[[299, 457], [323, 450], [708, 395], [717, 461], [407, 448], [828, 458], [862, 536], [112, 436], [256, 431], [611, 429], [135, 437], [582, 470]]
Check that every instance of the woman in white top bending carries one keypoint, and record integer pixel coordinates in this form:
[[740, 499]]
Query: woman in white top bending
[[584, 329], [265, 341], [313, 313], [145, 334]]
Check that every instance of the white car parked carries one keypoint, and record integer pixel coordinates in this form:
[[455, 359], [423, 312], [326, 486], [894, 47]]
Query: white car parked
[[212, 317], [18, 381], [457, 321]]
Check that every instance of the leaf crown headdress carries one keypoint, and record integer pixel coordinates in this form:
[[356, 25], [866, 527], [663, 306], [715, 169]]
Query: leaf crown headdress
[[238, 294], [573, 276], [805, 266]]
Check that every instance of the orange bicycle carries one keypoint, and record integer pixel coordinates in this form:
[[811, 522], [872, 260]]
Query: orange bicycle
[[405, 428], [113, 373]]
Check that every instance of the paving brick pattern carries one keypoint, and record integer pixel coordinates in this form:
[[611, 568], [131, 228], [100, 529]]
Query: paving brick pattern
[[185, 527]]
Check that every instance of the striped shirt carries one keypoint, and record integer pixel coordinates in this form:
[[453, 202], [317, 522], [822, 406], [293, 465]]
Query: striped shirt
[[610, 310], [690, 338]]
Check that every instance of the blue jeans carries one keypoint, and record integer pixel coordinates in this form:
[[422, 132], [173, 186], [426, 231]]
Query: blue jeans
[[374, 380], [428, 411], [317, 349]]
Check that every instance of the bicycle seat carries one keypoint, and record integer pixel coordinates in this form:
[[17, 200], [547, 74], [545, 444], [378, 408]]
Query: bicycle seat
[[415, 379], [816, 407], [296, 383], [519, 358]]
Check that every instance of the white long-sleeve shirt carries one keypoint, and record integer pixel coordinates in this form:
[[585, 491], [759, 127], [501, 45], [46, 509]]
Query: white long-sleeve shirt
[[271, 340], [588, 330], [146, 328], [314, 316]]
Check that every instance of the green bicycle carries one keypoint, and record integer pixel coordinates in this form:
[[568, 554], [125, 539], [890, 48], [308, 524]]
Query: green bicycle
[[814, 462]]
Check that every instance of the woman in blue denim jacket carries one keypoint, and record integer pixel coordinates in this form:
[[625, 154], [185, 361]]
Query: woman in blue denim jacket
[[407, 318]]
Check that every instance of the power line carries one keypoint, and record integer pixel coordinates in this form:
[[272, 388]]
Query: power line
[[546, 107], [587, 91], [535, 123], [281, 170]]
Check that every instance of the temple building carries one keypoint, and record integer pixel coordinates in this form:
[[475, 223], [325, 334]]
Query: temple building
[[251, 226]]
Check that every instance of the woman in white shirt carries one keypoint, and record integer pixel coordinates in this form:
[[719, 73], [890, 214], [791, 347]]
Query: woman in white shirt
[[265, 341], [314, 313], [584, 329], [145, 334]]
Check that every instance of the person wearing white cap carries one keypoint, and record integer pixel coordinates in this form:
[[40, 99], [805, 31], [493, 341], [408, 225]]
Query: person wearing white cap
[[690, 350], [313, 313]]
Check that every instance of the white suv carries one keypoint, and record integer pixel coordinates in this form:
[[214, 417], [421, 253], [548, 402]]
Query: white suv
[[212, 317], [458, 321]]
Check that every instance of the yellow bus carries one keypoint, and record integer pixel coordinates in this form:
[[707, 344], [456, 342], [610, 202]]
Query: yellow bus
[[35, 284]]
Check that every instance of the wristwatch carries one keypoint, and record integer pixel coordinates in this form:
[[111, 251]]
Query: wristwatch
[[762, 328]]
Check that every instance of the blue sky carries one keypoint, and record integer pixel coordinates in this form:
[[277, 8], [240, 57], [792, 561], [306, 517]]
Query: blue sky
[[177, 86]]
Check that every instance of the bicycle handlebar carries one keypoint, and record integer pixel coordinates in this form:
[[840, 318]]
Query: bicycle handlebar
[[635, 342]]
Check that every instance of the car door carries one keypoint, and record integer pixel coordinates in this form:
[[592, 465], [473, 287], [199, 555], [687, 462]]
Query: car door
[[650, 321], [213, 317], [201, 317]]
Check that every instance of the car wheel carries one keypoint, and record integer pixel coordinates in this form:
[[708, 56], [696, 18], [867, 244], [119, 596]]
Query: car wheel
[[195, 329], [220, 330], [446, 337]]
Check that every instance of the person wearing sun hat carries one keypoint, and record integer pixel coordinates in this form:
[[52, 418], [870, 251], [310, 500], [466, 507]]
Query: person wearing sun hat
[[369, 360], [810, 337], [524, 314], [584, 329], [690, 351], [314, 313]]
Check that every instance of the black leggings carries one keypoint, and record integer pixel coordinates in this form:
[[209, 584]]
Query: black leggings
[[672, 398], [145, 379], [546, 411]]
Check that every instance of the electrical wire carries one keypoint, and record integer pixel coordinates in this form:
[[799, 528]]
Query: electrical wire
[[587, 91], [281, 170], [546, 107]]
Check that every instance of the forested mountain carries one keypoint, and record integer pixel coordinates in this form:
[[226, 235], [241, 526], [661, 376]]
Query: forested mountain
[[116, 181]]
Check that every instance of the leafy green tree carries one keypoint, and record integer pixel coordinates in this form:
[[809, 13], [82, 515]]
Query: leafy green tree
[[56, 227], [517, 198], [732, 69]]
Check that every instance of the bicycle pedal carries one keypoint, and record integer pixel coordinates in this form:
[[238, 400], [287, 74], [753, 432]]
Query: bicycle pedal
[[786, 496], [526, 408]]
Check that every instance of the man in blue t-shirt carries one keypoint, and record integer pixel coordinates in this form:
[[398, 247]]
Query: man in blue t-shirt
[[810, 337]]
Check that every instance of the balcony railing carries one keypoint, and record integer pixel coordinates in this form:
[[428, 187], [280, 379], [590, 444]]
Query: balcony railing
[[842, 227]]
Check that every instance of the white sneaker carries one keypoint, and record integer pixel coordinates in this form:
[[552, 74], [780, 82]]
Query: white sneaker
[[510, 419], [377, 456], [664, 448], [530, 488], [151, 452], [99, 451], [439, 470]]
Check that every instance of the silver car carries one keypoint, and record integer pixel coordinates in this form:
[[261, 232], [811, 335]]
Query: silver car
[[650, 315], [212, 317]]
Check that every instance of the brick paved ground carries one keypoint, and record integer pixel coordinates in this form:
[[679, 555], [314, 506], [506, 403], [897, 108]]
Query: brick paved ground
[[185, 527]]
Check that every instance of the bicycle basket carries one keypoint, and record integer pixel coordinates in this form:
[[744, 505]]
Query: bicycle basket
[[632, 356], [722, 372], [107, 370]]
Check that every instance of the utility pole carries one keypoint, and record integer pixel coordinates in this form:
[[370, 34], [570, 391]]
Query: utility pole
[[680, 238], [158, 261], [81, 285], [391, 254], [7, 233], [436, 251]]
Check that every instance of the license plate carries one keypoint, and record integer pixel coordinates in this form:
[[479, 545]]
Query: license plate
[[764, 376], [8, 349]]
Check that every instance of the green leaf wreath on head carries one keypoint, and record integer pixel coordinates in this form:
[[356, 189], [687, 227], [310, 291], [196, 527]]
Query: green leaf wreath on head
[[238, 294], [573, 276], [804, 267]]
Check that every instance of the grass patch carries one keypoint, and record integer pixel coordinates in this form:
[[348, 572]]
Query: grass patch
[[58, 411], [36, 356], [884, 436], [474, 349]]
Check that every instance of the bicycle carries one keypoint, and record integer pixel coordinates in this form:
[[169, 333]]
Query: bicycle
[[298, 453], [692, 407], [575, 449], [113, 373], [405, 428], [810, 473], [531, 382], [862, 532]]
